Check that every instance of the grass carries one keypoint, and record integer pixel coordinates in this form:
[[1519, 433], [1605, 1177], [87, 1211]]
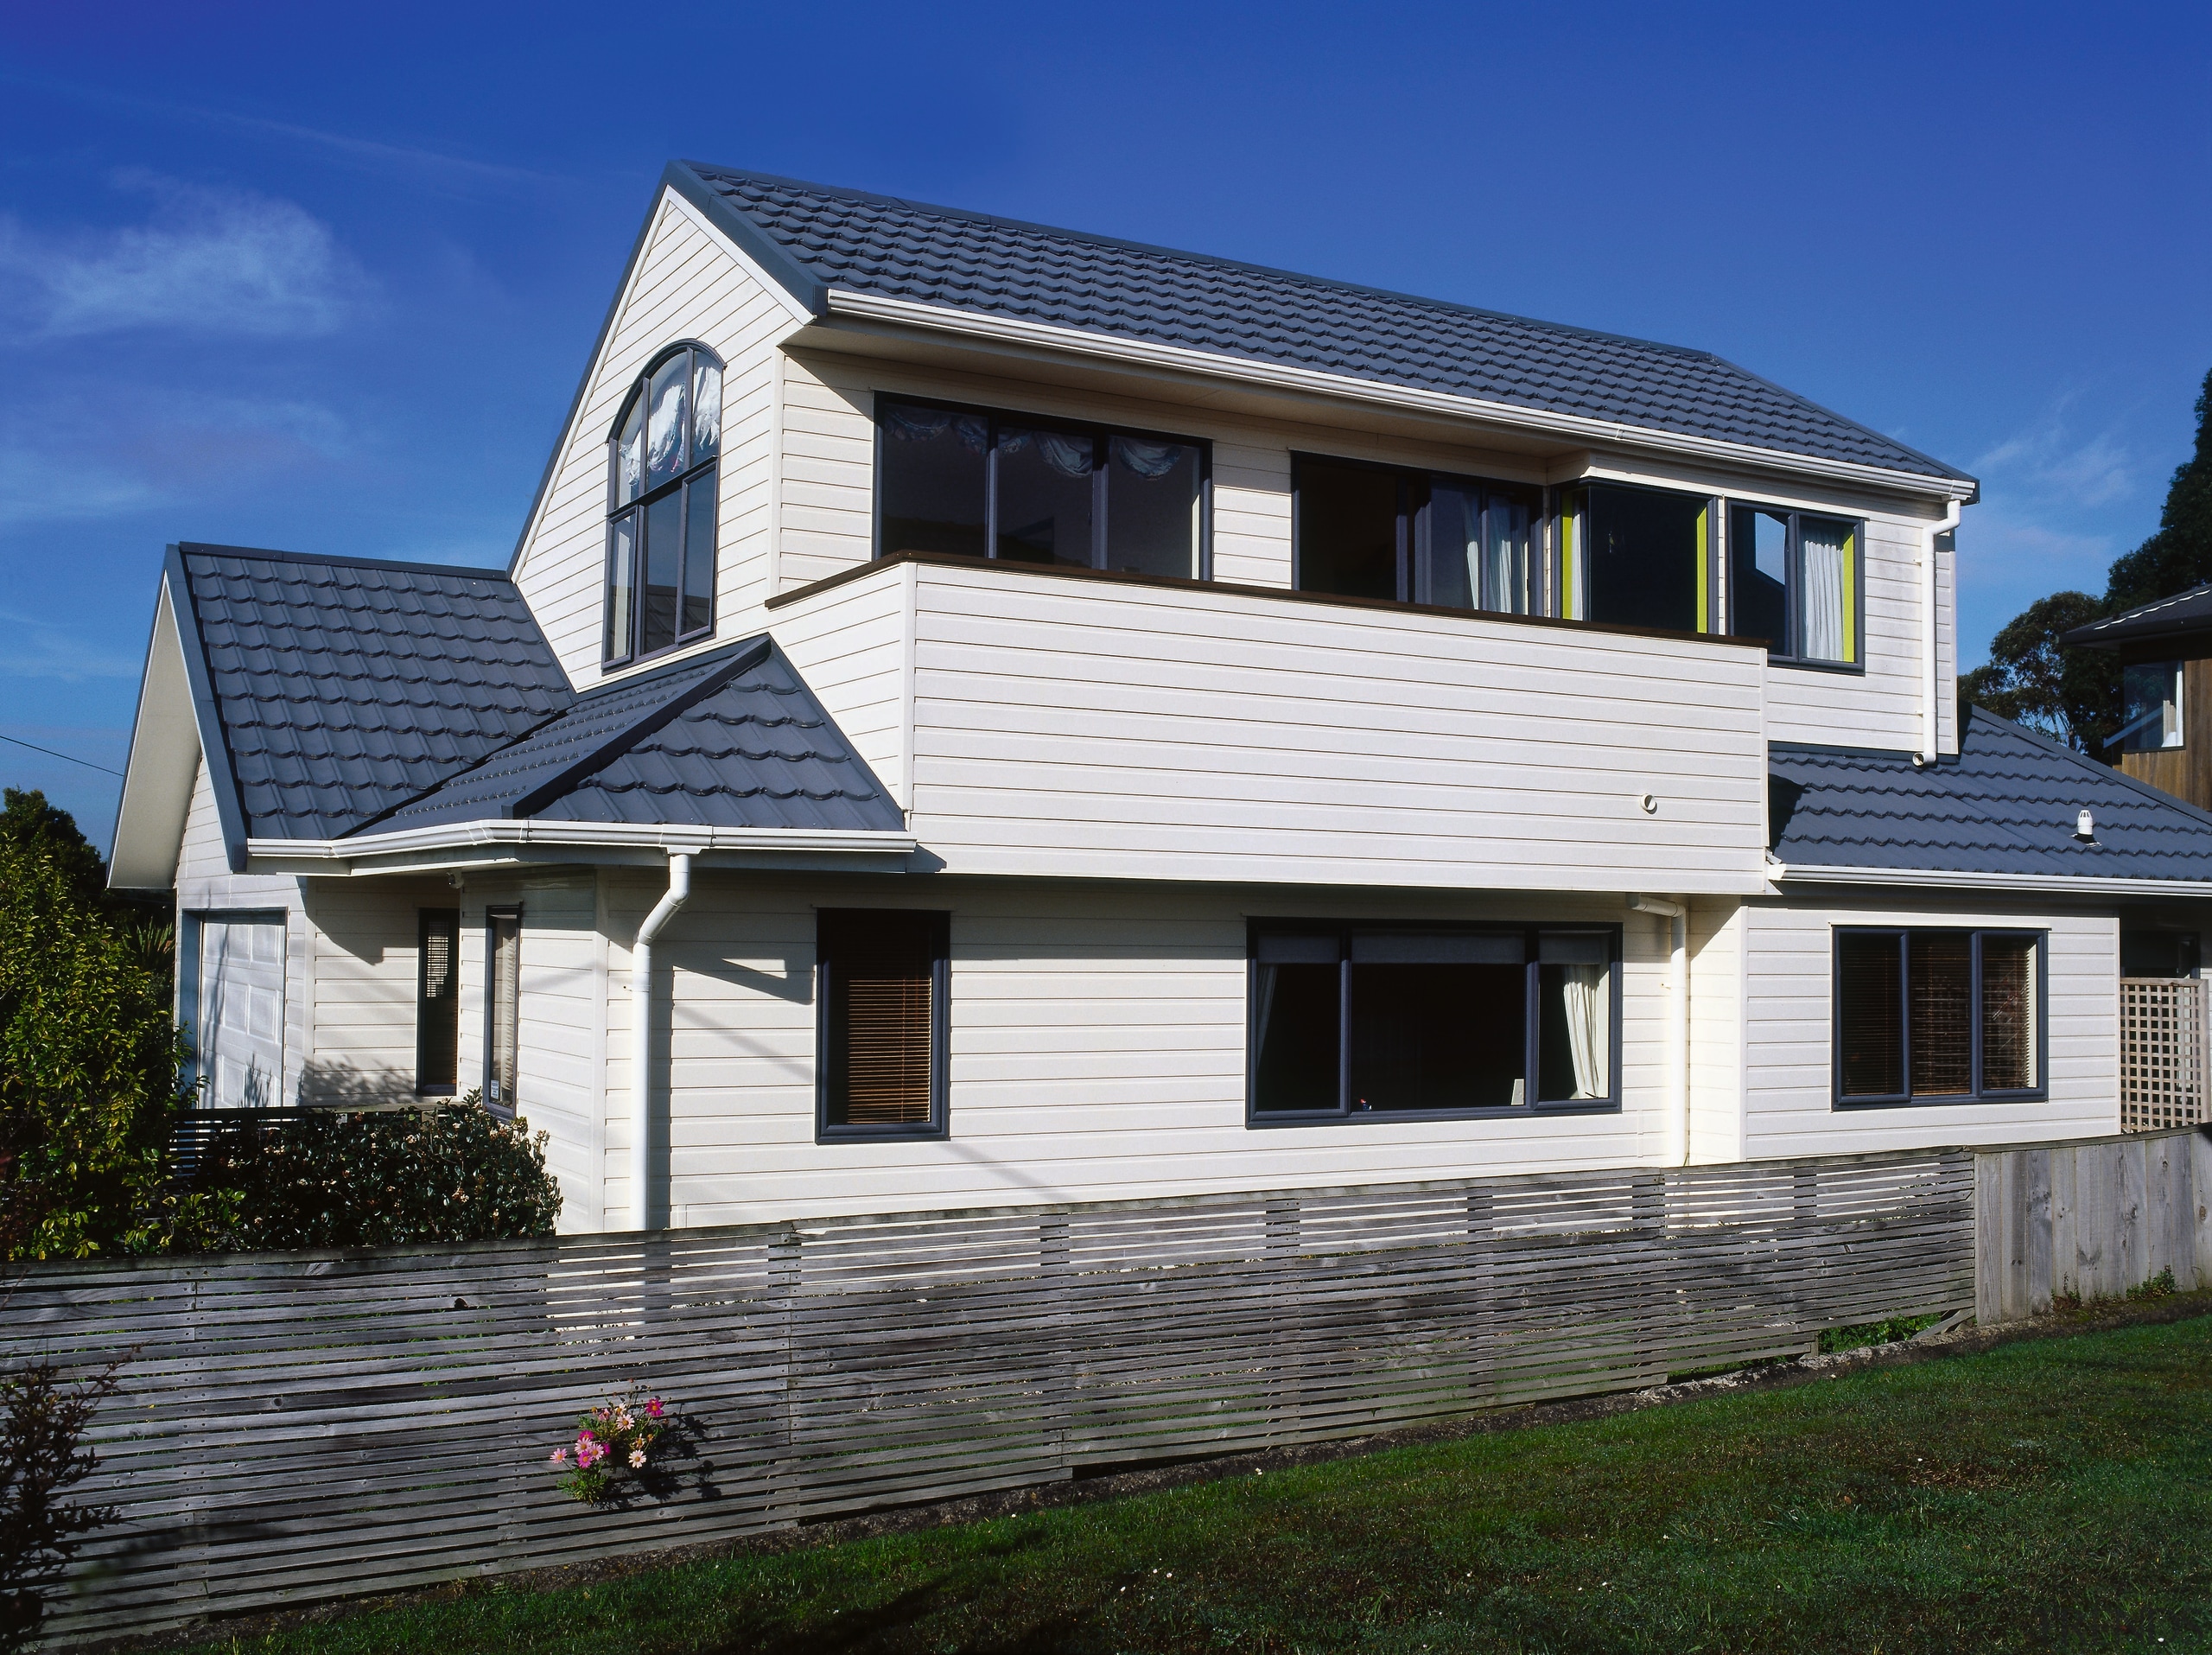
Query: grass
[[2054, 1494]]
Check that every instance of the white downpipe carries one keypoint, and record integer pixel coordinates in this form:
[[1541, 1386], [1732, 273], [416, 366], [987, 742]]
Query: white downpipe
[[1675, 1140], [1928, 722], [641, 1039]]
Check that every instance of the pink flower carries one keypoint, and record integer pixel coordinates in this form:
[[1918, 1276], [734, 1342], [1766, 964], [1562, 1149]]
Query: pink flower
[[652, 1408], [559, 1456]]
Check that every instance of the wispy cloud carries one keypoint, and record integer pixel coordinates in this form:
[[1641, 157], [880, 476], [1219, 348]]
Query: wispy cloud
[[2048, 462], [37, 649], [206, 262]]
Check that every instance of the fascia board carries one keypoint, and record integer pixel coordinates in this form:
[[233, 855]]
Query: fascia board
[[1575, 427], [215, 741], [781, 275], [2113, 887], [151, 813], [334, 855]]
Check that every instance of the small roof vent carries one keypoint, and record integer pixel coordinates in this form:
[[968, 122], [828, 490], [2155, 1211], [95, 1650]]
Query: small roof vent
[[2085, 828]]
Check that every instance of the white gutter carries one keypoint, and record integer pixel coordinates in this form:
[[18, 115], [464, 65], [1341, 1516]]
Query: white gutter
[[1928, 619], [2105, 886], [641, 1038], [675, 840], [1281, 376], [1675, 1140]]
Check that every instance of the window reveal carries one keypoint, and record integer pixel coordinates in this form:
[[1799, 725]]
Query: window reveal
[[1793, 579], [1027, 490], [881, 979], [661, 508], [1937, 1015], [1410, 1022]]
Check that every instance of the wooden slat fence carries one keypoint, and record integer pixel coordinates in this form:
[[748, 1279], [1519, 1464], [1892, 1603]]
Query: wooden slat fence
[[2090, 1219], [302, 1426]]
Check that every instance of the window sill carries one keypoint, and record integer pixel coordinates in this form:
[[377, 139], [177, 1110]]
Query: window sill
[[880, 1133], [1947, 1100], [1402, 1117], [1796, 664]]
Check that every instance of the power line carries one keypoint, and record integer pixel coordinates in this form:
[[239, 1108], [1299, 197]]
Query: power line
[[51, 753]]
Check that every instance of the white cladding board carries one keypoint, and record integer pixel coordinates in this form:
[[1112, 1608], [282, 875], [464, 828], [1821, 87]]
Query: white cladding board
[[1097, 1050], [688, 284], [1087, 729], [1790, 1107], [240, 1036]]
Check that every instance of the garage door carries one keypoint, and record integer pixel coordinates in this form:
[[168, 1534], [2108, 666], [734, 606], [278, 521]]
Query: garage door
[[240, 1038]]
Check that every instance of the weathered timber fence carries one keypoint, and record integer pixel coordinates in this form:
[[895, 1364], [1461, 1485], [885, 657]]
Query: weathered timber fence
[[299, 1427], [2089, 1220]]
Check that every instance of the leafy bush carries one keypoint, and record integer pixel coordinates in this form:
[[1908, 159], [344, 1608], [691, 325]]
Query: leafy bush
[[88, 1055], [348, 1179], [42, 1424]]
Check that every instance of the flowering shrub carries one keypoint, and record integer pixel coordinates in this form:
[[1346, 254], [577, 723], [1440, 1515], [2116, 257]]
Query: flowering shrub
[[610, 1441]]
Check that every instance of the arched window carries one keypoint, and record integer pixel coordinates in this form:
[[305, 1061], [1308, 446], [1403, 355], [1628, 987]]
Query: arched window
[[660, 493]]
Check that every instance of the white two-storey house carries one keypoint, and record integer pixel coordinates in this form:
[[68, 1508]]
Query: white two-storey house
[[983, 714]]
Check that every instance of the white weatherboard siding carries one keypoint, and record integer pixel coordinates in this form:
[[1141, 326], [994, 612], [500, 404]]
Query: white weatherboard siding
[[1789, 1109], [687, 283], [1717, 999], [368, 938], [852, 646], [1097, 1050], [1092, 728]]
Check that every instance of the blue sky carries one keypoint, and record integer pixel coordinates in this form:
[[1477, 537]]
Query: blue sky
[[324, 279]]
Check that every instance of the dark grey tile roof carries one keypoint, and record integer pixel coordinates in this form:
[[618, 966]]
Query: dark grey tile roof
[[733, 738], [817, 237], [2007, 805], [2182, 613], [345, 688], [361, 697]]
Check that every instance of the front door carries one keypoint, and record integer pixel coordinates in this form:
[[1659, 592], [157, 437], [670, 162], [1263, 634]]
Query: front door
[[240, 1037]]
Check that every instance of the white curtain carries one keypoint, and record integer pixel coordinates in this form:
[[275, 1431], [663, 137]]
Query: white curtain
[[1069, 455], [1148, 459], [1505, 575], [706, 408], [1821, 551], [1589, 1034]]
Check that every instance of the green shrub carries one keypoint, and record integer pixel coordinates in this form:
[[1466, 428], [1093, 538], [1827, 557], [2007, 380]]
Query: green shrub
[[88, 1055], [379, 1178]]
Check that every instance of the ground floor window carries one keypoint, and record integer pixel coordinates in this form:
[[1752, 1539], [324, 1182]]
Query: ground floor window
[[437, 1000], [1366, 1021], [503, 994], [880, 982], [1929, 1014]]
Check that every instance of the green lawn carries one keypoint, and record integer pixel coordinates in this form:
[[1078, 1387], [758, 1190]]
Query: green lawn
[[2048, 1495]]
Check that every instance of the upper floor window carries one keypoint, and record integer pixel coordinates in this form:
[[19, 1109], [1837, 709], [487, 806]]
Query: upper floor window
[[1377, 531], [2151, 702], [1033, 490], [1636, 556], [660, 530], [1793, 579]]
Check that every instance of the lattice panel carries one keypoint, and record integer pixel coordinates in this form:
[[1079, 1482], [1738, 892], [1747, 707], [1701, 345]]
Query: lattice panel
[[2161, 1053]]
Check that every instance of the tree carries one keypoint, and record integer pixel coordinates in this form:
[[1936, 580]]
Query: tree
[[2070, 694], [43, 1421], [2179, 554], [88, 1055]]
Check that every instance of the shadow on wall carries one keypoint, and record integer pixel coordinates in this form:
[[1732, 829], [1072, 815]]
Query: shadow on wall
[[337, 1085]]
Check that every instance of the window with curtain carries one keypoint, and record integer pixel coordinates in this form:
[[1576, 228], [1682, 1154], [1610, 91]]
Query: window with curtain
[[1417, 537], [2151, 707], [1793, 579], [880, 982], [502, 1007], [1937, 1014], [1348, 1022], [976, 483], [661, 506], [437, 1000]]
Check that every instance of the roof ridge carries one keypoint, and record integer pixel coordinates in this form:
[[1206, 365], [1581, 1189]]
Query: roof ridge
[[466, 570]]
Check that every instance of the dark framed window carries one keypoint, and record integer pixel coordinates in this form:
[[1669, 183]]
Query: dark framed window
[[1636, 556], [1417, 537], [502, 1007], [437, 1001], [1794, 580], [881, 976], [980, 483], [1375, 1021], [2151, 702], [1931, 1015], [660, 507]]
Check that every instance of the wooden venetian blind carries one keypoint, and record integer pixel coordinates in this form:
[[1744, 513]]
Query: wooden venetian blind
[[880, 989], [2008, 1014], [1941, 994]]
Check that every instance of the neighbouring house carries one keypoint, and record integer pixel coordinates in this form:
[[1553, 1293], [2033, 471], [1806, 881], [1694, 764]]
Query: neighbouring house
[[2165, 664], [983, 714]]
